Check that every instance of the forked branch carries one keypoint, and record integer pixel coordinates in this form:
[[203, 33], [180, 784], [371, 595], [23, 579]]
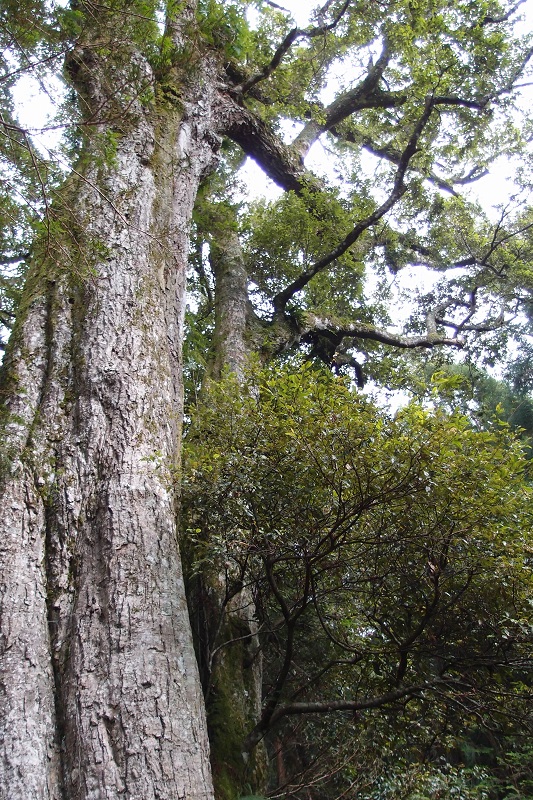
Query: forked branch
[[398, 190], [284, 47]]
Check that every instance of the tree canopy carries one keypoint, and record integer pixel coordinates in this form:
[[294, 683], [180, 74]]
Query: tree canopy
[[411, 104]]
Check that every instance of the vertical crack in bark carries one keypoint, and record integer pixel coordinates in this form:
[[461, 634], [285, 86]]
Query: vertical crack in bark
[[53, 627]]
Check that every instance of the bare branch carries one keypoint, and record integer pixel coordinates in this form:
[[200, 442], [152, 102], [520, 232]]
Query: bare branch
[[489, 20], [327, 707], [280, 162], [390, 154], [362, 330], [456, 100], [474, 175], [511, 84], [282, 49], [487, 326], [275, 5], [321, 14], [36, 163], [471, 305], [291, 617], [34, 64]]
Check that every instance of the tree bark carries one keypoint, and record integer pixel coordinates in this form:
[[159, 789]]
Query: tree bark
[[100, 696], [232, 306]]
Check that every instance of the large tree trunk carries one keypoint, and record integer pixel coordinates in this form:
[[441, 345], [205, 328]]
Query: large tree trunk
[[100, 696]]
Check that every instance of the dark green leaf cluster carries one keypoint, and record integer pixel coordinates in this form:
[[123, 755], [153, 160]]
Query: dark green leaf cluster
[[389, 557], [224, 27], [382, 552]]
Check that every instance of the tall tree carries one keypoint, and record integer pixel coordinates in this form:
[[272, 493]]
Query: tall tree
[[100, 692]]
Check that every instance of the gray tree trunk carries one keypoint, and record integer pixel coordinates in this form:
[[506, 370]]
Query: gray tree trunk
[[232, 306], [99, 692]]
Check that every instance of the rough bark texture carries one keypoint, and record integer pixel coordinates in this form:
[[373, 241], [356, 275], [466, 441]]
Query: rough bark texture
[[231, 304], [30, 747], [100, 696]]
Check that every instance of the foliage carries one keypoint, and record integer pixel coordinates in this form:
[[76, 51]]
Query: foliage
[[385, 554], [287, 236], [487, 401], [223, 25]]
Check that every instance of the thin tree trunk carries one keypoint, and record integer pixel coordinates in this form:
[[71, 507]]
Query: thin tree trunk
[[232, 306], [229, 648], [100, 696]]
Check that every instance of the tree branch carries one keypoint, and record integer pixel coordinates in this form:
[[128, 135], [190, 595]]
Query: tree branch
[[365, 95], [279, 161], [282, 298], [487, 326], [456, 100], [327, 707], [390, 154], [511, 83], [362, 330], [291, 617], [489, 20], [282, 49], [35, 64], [285, 46]]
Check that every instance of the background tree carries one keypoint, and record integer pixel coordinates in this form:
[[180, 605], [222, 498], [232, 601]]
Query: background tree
[[101, 695], [373, 580]]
